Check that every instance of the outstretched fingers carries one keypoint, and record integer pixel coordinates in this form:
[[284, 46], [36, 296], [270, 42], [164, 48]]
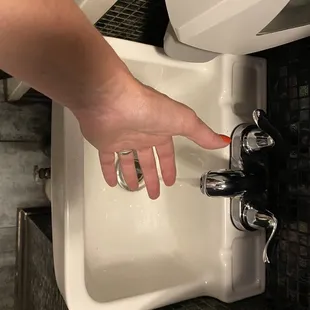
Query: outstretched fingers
[[107, 162], [149, 169], [166, 158]]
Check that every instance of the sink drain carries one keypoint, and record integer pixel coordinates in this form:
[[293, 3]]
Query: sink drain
[[121, 180]]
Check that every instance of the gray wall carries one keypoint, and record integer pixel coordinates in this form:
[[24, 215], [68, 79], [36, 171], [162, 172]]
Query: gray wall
[[22, 127]]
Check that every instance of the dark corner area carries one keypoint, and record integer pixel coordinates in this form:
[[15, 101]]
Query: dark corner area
[[289, 108]]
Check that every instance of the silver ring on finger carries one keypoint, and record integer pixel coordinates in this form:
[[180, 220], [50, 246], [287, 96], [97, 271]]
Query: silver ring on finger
[[125, 152]]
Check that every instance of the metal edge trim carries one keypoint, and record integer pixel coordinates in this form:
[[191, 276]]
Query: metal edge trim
[[21, 253]]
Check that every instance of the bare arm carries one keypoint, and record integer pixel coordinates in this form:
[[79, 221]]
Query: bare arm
[[52, 46]]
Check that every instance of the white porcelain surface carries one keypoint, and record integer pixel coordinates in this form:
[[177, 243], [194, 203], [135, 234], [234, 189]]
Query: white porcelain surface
[[232, 26], [175, 49], [117, 250]]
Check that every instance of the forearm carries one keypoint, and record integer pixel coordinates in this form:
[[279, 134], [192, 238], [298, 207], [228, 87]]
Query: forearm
[[52, 46]]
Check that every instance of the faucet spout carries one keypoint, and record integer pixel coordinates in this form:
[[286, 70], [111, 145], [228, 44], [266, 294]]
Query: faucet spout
[[229, 183]]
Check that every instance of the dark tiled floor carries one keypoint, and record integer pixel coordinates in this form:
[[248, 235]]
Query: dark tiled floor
[[7, 267], [23, 126], [25, 122]]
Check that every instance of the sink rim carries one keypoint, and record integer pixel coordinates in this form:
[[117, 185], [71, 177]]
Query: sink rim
[[65, 227]]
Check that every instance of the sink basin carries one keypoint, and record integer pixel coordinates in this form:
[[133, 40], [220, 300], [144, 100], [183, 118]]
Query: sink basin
[[115, 249]]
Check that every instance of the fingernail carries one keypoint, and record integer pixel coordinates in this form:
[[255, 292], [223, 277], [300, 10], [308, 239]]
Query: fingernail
[[226, 139]]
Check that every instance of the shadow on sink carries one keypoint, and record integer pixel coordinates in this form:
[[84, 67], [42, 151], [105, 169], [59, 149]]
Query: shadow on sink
[[133, 277]]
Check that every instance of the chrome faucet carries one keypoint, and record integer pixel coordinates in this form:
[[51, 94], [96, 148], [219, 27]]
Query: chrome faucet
[[247, 176]]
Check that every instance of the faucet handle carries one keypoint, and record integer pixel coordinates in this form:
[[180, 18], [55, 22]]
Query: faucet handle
[[264, 136], [261, 219], [262, 122], [256, 140]]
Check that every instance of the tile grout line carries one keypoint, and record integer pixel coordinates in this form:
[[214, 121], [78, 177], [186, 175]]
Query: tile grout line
[[6, 227]]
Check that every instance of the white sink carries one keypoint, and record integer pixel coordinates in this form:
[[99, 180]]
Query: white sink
[[115, 249]]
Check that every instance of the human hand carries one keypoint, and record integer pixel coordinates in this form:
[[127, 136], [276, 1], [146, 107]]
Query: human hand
[[136, 117], [81, 71]]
